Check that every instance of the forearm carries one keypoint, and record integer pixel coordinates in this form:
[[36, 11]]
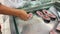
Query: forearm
[[14, 12]]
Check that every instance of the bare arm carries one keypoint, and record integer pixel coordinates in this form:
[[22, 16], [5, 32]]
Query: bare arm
[[15, 12]]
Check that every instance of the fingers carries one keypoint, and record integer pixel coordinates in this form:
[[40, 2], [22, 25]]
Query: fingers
[[23, 15]]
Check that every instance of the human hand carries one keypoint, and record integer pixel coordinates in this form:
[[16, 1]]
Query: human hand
[[24, 16]]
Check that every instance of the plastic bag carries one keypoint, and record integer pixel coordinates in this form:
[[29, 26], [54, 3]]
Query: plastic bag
[[15, 3], [33, 25]]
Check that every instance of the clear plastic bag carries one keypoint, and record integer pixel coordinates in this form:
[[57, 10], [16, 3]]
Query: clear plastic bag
[[15, 3], [34, 25]]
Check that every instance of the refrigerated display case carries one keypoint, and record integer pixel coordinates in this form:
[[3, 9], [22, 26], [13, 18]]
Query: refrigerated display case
[[32, 8]]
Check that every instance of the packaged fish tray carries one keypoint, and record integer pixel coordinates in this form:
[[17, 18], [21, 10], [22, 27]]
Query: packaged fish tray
[[45, 17]]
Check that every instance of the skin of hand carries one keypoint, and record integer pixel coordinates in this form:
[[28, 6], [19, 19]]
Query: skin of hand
[[14, 12]]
